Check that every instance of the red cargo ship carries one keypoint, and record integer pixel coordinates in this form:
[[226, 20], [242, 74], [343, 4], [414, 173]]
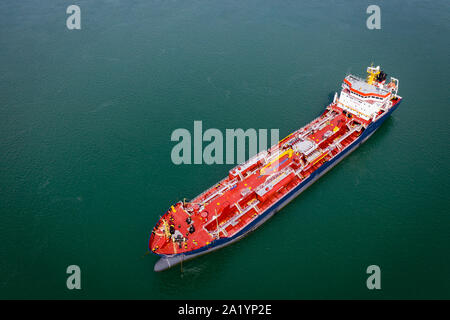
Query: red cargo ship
[[255, 190]]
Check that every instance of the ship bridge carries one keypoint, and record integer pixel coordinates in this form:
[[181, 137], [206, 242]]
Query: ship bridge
[[363, 99], [364, 90]]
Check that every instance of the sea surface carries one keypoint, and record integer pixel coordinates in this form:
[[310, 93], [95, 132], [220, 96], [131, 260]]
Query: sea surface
[[86, 118]]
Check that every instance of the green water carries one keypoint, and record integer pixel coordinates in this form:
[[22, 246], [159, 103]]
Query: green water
[[85, 123]]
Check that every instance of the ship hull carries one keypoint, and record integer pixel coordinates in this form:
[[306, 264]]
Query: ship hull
[[167, 262]]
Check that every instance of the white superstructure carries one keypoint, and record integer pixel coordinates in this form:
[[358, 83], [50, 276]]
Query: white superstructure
[[365, 98]]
